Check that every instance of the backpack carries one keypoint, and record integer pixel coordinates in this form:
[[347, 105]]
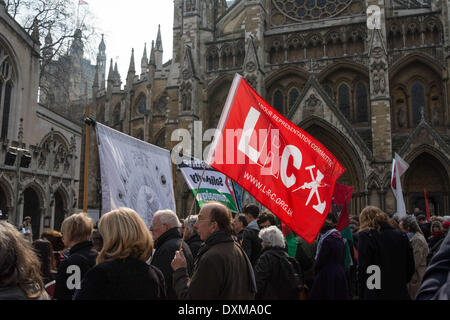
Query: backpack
[[292, 274]]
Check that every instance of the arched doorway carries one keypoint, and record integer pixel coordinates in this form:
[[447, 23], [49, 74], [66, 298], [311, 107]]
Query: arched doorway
[[32, 208], [338, 145], [59, 210], [427, 172]]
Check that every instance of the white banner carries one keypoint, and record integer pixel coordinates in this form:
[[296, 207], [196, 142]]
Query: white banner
[[134, 174]]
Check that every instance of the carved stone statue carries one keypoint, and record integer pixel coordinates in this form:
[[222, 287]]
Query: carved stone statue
[[401, 118], [435, 117]]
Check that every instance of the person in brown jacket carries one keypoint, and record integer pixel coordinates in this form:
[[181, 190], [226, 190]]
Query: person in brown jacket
[[222, 270]]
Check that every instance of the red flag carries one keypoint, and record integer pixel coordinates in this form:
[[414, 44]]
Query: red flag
[[341, 196], [283, 167], [426, 205]]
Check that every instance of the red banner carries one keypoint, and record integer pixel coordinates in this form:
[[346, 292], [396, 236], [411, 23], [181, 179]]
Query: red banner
[[342, 195], [283, 167]]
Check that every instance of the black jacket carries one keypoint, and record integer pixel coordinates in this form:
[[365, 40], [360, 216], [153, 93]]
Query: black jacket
[[391, 251], [127, 279], [251, 244], [194, 244], [166, 246], [82, 255], [436, 280], [272, 279]]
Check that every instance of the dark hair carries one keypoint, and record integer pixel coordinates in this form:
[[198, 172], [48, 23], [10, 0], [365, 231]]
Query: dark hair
[[421, 217], [219, 213], [251, 209], [43, 250], [55, 238], [97, 240], [267, 217], [241, 218]]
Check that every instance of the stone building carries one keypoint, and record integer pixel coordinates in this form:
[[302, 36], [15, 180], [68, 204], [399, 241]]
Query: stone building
[[365, 85], [40, 149]]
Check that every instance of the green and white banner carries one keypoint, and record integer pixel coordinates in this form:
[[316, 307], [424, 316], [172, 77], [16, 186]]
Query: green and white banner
[[215, 186]]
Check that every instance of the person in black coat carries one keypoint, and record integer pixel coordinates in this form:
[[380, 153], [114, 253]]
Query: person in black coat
[[436, 280], [165, 230], [122, 272], [390, 251], [277, 278], [76, 231], [330, 282], [251, 243], [239, 224], [191, 236]]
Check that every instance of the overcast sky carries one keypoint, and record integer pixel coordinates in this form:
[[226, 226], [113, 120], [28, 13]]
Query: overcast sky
[[129, 24]]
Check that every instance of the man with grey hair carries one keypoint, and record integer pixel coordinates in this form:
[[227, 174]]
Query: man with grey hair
[[191, 236], [167, 237], [278, 276]]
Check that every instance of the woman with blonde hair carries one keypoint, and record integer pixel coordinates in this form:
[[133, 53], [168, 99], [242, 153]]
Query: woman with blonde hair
[[20, 277], [121, 272], [76, 233], [385, 258]]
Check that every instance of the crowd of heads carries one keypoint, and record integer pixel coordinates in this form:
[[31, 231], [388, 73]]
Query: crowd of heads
[[122, 234]]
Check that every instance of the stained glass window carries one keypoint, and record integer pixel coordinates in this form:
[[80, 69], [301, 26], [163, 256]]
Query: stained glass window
[[361, 103], [6, 109], [116, 115], [278, 101], [311, 9], [142, 104], [344, 100], [293, 96]]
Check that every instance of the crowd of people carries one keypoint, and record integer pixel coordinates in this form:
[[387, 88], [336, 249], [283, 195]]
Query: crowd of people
[[214, 255]]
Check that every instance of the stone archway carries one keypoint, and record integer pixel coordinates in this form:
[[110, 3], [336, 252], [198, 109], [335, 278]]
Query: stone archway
[[61, 201], [32, 208], [427, 172], [338, 145]]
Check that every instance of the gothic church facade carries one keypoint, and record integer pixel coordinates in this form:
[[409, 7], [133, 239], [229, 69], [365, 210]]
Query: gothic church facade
[[364, 93]]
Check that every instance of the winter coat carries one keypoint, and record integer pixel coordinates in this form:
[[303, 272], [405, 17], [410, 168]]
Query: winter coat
[[436, 280], [434, 243], [82, 255], [222, 271], [420, 250], [194, 244], [330, 282], [251, 243], [305, 256], [426, 229], [391, 251], [166, 246], [123, 279], [272, 278]]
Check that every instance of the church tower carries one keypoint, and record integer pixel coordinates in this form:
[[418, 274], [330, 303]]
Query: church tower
[[101, 64]]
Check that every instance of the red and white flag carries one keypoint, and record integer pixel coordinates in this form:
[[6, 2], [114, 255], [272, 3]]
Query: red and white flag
[[399, 166], [283, 167]]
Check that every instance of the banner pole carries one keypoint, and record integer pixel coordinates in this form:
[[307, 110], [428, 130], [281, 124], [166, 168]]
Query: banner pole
[[86, 160], [193, 203]]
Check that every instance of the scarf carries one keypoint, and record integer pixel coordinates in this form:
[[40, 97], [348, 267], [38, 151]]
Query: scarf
[[322, 237]]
